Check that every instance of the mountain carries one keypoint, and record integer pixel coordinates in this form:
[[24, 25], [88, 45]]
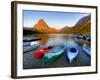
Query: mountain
[[83, 26], [85, 18], [42, 27]]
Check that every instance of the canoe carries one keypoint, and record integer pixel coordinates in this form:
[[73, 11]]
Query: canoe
[[72, 53], [88, 38], [29, 46], [40, 53], [54, 53], [87, 49], [78, 38], [26, 44]]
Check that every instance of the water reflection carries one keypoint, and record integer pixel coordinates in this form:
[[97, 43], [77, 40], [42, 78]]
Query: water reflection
[[53, 39]]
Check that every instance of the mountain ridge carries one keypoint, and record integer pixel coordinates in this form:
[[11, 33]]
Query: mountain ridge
[[83, 26]]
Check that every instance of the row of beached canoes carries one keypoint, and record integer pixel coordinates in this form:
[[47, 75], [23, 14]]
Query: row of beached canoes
[[51, 53], [81, 37]]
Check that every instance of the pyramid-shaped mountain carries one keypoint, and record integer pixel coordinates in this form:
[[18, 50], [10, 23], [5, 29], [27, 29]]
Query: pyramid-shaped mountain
[[41, 24], [42, 27]]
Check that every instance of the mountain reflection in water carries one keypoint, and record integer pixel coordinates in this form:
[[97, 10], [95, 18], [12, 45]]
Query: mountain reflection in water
[[53, 39]]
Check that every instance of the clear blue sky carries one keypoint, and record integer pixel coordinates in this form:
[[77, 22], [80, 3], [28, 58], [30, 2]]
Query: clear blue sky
[[56, 20]]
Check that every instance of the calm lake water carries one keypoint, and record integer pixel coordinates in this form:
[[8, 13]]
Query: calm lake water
[[30, 62], [53, 39]]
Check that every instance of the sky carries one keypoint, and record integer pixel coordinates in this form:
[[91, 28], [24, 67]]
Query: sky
[[56, 20]]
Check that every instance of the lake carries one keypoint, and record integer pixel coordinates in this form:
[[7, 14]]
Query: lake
[[30, 62], [53, 39]]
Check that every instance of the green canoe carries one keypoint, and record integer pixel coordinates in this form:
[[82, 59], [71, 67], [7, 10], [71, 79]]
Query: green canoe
[[54, 53]]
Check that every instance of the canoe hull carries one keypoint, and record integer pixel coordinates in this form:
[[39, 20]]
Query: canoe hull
[[52, 58], [72, 54], [87, 49], [52, 55]]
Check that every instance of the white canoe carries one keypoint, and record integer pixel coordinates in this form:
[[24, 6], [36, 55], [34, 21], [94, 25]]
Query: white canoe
[[28, 46], [72, 53], [87, 49]]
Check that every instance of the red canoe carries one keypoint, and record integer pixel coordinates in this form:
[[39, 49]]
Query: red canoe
[[40, 53]]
